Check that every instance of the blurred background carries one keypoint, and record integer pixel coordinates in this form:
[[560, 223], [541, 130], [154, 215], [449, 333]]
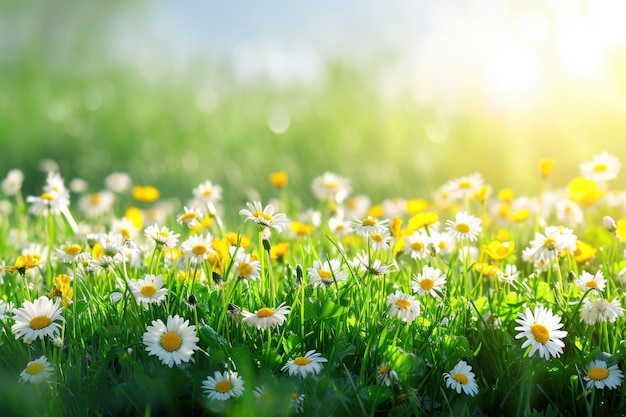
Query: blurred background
[[398, 96]]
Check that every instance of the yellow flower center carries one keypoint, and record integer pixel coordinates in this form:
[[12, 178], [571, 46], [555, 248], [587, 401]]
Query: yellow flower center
[[591, 284], [417, 246], [600, 167], [124, 232], [598, 374], [461, 378], [549, 244], [162, 234], [73, 250], [463, 227], [35, 368], [294, 396], [465, 184], [188, 216], [171, 341], [39, 322], [376, 237], [199, 249], [324, 274], [265, 312], [245, 269], [262, 215], [148, 290], [540, 332], [383, 369], [301, 361], [207, 192], [94, 199], [48, 196], [402, 304], [369, 222], [223, 386], [427, 284]]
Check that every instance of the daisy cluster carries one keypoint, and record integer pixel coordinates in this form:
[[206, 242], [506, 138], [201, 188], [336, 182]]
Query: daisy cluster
[[401, 306]]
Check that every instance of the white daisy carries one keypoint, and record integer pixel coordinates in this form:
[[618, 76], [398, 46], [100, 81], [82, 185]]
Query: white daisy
[[386, 375], [5, 309], [430, 281], [3, 270], [223, 386], [265, 217], [94, 205], [600, 375], [245, 267], [602, 167], [266, 317], [207, 192], [339, 226], [380, 241], [461, 378], [541, 329], [118, 182], [173, 342], [464, 226], [162, 237], [465, 187], [509, 274], [331, 187], [12, 184], [309, 364], [191, 217], [370, 225], [375, 267], [72, 253], [417, 245], [601, 310], [197, 247], [148, 290], [38, 319], [404, 306], [37, 371], [586, 281], [326, 273]]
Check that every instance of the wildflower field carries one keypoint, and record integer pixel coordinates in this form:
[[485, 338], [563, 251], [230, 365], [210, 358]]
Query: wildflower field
[[472, 301]]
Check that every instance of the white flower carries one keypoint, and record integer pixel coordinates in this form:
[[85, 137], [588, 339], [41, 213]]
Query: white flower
[[586, 281], [265, 217], [309, 364], [385, 375], [197, 248], [461, 378], [5, 309], [541, 329], [94, 205], [601, 310], [72, 253], [376, 267], [223, 386], [207, 192], [404, 306], [38, 319], [331, 187], [464, 226], [602, 167], [266, 317], [191, 217], [430, 281], [245, 267], [162, 237], [148, 290], [600, 375], [417, 245], [37, 371], [12, 184], [173, 343], [326, 273], [118, 182], [370, 225]]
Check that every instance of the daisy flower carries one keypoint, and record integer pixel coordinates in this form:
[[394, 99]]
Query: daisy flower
[[601, 310], [5, 310], [404, 306], [380, 241], [38, 319], [37, 371], [461, 378], [586, 281], [222, 386], [125, 227], [148, 290], [509, 274], [72, 253], [370, 225], [602, 167], [191, 217], [118, 182], [297, 402], [94, 205], [417, 245], [49, 203], [197, 248], [326, 273], [12, 184], [549, 244], [245, 267], [266, 317], [429, 281], [541, 329], [339, 226], [207, 192], [464, 226], [173, 342], [376, 267], [331, 187], [265, 217], [3, 271], [466, 187], [162, 237], [309, 364], [385, 375], [600, 375]]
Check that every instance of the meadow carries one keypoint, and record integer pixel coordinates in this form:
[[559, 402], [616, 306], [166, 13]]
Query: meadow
[[474, 302]]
